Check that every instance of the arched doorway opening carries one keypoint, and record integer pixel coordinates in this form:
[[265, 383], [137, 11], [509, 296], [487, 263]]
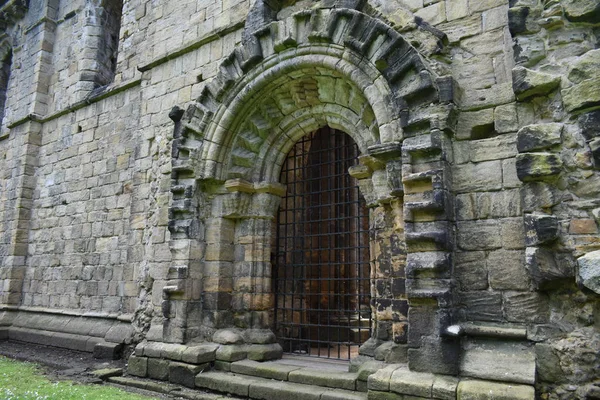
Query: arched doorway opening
[[321, 250]]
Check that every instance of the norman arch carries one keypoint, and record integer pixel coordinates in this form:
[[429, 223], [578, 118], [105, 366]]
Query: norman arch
[[329, 67]]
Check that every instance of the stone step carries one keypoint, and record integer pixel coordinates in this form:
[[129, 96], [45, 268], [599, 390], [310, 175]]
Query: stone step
[[334, 376], [314, 386]]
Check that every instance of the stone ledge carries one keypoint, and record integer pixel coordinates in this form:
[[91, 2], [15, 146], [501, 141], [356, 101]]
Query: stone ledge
[[85, 343]]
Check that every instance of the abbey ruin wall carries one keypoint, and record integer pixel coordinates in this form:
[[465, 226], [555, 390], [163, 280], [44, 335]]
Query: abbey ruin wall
[[141, 145]]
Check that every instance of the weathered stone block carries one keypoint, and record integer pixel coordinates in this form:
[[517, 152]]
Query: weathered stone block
[[470, 270], [231, 353], [507, 270], [380, 380], [200, 354], [475, 124], [529, 50], [582, 10], [528, 83], [582, 226], [185, 374], [120, 333], [590, 124], [589, 271], [513, 233], [482, 305], [391, 352], [422, 320], [321, 377], [223, 383], [544, 268], [284, 390], [172, 351], [517, 19], [259, 336], [436, 355], [582, 95], [495, 148], [534, 166], [377, 395], [506, 118], [368, 347], [137, 366], [526, 307], [498, 361], [538, 195], [367, 368], [264, 352], [539, 137], [444, 387], [158, 369], [479, 235], [585, 67], [540, 228], [411, 383], [110, 351], [478, 177], [486, 390], [548, 363], [263, 370]]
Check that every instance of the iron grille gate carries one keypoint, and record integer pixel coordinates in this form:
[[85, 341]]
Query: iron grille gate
[[322, 251]]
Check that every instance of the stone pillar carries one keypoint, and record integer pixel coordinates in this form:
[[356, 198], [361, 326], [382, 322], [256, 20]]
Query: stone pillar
[[40, 48], [380, 182], [18, 205]]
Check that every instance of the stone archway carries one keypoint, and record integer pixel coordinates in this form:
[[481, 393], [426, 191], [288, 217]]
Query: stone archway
[[332, 67]]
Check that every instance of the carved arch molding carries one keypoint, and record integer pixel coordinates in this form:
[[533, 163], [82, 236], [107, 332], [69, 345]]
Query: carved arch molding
[[336, 67]]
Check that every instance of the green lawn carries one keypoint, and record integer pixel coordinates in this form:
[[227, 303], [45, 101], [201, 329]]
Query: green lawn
[[21, 380]]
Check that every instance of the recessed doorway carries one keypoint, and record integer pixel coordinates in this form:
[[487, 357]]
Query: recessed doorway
[[321, 251]]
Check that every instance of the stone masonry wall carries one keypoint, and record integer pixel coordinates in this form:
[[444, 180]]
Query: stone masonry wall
[[498, 280]]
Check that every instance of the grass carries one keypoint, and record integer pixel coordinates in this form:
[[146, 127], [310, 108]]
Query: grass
[[22, 380]]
